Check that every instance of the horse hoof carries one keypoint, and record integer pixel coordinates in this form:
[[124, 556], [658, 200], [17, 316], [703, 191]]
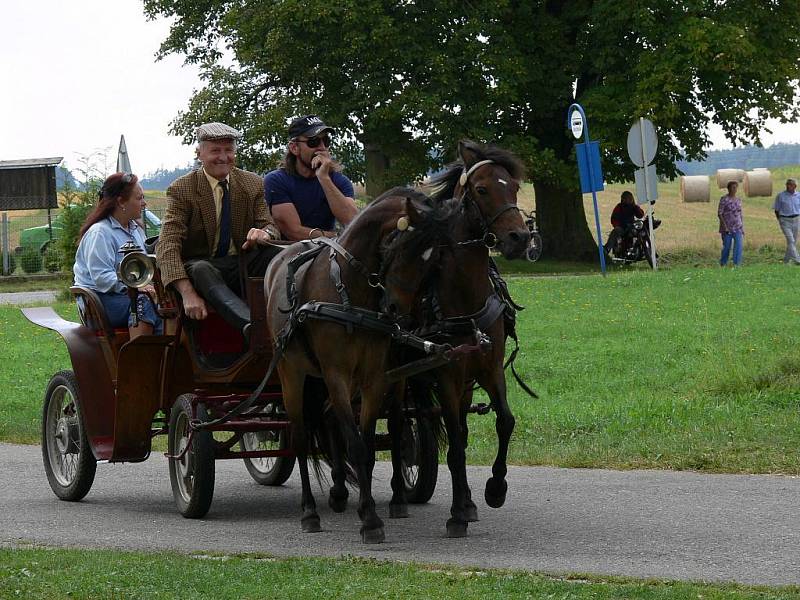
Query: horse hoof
[[373, 536], [495, 494], [471, 514], [337, 504], [456, 529], [310, 525], [398, 511]]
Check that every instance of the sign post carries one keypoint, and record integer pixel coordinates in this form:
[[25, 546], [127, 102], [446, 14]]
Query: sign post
[[642, 146], [589, 167]]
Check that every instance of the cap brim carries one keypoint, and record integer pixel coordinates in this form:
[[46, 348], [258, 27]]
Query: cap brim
[[315, 131]]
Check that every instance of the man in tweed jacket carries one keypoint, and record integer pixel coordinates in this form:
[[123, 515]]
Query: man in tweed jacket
[[213, 214]]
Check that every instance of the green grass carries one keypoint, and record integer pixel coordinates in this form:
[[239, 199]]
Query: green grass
[[679, 369], [33, 283], [47, 573]]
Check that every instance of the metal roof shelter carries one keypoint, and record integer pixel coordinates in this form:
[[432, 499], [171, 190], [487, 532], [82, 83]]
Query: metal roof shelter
[[28, 183]]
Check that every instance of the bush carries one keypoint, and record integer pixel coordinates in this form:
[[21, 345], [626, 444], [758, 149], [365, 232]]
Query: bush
[[52, 259], [31, 261], [12, 263]]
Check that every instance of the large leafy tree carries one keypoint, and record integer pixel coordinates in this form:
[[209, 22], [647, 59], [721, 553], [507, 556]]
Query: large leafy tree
[[403, 80]]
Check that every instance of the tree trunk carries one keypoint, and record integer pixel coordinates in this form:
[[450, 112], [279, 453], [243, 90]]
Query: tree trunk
[[562, 224], [377, 165]]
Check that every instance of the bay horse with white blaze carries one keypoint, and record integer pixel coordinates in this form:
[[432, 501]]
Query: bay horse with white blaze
[[330, 314], [464, 303]]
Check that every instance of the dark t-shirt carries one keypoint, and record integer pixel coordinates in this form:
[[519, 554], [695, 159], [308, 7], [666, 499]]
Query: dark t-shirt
[[624, 214], [306, 194]]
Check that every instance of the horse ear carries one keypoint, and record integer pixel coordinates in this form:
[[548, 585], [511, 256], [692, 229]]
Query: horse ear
[[468, 152], [415, 213]]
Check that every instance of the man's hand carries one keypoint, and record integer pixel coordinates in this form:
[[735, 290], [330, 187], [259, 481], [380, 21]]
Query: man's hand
[[193, 305], [256, 236], [321, 163]]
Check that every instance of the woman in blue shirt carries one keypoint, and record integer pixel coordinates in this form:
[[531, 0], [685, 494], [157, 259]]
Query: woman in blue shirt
[[111, 224]]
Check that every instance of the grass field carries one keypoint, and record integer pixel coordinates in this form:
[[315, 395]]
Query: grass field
[[679, 369], [49, 574]]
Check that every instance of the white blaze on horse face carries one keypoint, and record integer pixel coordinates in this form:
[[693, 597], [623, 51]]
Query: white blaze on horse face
[[427, 254], [503, 181]]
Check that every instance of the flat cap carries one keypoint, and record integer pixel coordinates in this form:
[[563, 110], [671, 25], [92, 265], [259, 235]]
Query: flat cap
[[216, 131], [791, 180]]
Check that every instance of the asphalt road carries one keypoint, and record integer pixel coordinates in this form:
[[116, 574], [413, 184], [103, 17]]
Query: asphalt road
[[45, 297], [638, 523]]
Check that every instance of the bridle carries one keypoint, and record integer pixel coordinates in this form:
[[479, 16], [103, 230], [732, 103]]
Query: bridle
[[488, 238]]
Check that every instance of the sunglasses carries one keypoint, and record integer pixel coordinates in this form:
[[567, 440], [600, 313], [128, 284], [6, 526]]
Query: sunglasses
[[127, 178], [316, 141]]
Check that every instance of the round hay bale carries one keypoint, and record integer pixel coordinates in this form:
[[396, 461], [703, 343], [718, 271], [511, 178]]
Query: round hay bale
[[758, 183], [726, 175], [694, 188]]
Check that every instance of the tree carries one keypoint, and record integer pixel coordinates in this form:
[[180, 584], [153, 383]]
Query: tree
[[404, 80]]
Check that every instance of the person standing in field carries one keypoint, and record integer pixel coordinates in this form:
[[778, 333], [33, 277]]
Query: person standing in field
[[731, 226], [787, 211]]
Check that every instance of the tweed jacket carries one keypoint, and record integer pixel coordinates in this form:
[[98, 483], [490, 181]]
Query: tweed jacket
[[190, 224]]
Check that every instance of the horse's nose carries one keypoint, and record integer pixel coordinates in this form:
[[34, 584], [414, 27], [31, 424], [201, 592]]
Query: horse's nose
[[519, 237]]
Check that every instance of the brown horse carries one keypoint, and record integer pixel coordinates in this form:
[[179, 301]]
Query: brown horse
[[386, 253], [486, 180]]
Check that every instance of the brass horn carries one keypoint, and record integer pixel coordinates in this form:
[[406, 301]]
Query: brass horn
[[137, 269]]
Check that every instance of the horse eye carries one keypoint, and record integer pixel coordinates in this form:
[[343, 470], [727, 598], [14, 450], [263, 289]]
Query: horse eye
[[481, 190]]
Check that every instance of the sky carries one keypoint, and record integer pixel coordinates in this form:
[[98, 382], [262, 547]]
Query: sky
[[77, 74]]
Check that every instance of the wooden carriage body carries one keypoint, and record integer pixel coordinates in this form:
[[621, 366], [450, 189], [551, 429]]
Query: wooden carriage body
[[124, 384]]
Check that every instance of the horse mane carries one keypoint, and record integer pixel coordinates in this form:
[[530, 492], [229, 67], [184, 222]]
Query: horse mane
[[442, 186], [434, 229]]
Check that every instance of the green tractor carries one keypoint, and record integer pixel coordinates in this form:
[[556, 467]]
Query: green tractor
[[43, 236]]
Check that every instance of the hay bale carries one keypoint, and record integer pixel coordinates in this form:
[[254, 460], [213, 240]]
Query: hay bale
[[726, 175], [694, 188], [758, 183]]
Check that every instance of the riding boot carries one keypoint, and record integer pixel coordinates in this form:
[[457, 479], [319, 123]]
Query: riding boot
[[229, 306]]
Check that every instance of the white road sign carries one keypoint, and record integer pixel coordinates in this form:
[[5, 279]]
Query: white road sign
[[642, 142]]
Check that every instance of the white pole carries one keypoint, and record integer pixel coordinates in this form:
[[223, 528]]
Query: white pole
[[647, 197]]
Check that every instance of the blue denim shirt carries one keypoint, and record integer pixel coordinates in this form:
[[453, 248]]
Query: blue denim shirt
[[787, 204], [98, 255]]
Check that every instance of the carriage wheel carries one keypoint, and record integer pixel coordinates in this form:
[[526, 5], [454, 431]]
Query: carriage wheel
[[270, 470], [68, 459], [534, 250], [420, 460], [191, 476]]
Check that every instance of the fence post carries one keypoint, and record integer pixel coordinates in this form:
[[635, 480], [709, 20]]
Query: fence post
[[6, 256]]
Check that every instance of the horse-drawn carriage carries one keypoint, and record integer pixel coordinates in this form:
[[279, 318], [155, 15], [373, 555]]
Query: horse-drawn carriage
[[216, 396]]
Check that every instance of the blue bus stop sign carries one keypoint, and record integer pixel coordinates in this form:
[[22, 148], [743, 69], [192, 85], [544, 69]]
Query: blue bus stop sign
[[589, 168]]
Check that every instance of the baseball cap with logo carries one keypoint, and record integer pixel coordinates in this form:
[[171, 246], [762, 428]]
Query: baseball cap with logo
[[309, 126]]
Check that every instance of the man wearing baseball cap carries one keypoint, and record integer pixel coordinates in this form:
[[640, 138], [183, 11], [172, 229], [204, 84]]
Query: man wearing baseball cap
[[213, 214], [308, 194], [787, 211]]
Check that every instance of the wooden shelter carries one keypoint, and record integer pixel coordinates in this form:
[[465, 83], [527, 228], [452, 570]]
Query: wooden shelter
[[28, 183]]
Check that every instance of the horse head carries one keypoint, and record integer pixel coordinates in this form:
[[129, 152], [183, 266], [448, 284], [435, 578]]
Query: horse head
[[487, 180], [413, 235]]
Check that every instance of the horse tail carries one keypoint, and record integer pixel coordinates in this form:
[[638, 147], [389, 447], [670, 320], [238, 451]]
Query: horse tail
[[421, 396], [323, 433]]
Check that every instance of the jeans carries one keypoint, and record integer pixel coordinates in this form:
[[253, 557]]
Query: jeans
[[118, 310], [736, 238], [789, 228]]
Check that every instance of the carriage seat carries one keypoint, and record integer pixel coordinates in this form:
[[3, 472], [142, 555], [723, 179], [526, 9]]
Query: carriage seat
[[93, 314]]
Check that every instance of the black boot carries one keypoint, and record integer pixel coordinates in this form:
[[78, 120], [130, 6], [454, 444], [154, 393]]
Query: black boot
[[230, 307]]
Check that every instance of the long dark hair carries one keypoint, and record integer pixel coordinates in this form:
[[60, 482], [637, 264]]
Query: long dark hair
[[118, 185]]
